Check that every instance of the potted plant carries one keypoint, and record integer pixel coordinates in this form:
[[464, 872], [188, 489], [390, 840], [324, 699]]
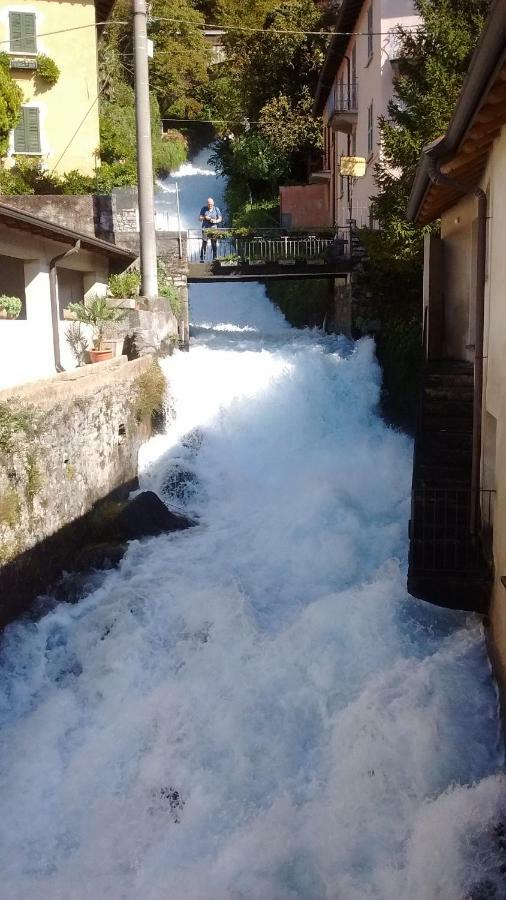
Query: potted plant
[[98, 312], [10, 307]]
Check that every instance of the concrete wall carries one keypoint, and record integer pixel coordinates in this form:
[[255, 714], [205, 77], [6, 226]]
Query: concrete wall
[[304, 206], [374, 75], [66, 443], [68, 111]]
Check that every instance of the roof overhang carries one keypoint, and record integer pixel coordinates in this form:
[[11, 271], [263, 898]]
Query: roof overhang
[[14, 218], [346, 22], [479, 115]]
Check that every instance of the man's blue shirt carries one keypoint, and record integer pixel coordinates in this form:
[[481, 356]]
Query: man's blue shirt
[[214, 214]]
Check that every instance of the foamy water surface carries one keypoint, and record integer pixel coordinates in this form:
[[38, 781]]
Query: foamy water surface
[[255, 708]]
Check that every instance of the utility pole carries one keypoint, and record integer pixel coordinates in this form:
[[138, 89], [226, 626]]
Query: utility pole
[[149, 275]]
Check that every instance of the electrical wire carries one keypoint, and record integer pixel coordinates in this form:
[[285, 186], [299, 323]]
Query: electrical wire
[[226, 28], [71, 28], [81, 123]]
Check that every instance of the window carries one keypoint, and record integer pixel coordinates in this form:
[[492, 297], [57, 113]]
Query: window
[[27, 133], [369, 33], [370, 130], [22, 32]]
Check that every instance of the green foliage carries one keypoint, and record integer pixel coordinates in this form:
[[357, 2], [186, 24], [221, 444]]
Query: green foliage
[[10, 305], [33, 477], [167, 289], [15, 421], [125, 285], [434, 62], [97, 312], [179, 70], [10, 107], [77, 341], [151, 389], [47, 69], [10, 508], [4, 60], [305, 304], [261, 214], [267, 84]]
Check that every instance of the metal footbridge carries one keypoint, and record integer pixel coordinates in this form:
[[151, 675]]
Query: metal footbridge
[[273, 253]]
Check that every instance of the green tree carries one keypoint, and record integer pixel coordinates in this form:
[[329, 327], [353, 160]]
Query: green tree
[[10, 104], [434, 61], [180, 67]]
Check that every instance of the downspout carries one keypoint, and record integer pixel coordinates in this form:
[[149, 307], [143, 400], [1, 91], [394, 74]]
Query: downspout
[[437, 177], [53, 293]]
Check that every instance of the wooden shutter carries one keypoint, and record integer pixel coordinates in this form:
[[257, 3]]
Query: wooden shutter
[[27, 133], [22, 32]]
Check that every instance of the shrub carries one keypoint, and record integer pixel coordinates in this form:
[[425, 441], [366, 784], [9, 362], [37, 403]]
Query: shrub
[[125, 285], [171, 293], [47, 69], [97, 312], [10, 305], [151, 390]]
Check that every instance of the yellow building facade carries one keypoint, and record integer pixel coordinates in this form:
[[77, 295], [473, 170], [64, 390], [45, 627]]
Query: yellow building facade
[[59, 122]]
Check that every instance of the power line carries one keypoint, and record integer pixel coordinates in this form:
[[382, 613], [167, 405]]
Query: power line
[[227, 28], [71, 28], [266, 31]]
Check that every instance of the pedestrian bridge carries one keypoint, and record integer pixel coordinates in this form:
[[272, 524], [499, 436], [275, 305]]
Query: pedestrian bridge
[[246, 254]]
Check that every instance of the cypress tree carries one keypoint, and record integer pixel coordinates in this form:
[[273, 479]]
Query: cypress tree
[[434, 60]]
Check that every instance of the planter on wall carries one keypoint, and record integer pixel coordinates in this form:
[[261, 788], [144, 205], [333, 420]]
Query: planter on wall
[[100, 355]]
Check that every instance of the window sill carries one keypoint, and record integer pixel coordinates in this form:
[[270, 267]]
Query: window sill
[[27, 153], [31, 54]]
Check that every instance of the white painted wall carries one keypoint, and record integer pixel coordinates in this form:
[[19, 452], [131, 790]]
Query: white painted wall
[[375, 85], [26, 345]]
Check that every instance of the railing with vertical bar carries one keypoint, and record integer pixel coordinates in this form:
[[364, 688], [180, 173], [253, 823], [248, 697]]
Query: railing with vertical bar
[[271, 245]]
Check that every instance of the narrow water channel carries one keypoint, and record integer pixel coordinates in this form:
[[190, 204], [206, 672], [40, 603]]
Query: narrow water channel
[[255, 709]]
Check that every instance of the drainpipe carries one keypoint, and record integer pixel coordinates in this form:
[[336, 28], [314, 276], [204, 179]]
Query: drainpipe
[[348, 144], [53, 293], [438, 177]]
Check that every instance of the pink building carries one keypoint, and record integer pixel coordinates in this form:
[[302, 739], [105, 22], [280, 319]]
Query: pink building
[[355, 86]]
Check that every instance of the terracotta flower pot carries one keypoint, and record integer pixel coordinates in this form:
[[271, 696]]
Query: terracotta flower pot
[[100, 355]]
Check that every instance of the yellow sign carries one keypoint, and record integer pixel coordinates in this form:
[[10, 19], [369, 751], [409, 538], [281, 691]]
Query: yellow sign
[[352, 166]]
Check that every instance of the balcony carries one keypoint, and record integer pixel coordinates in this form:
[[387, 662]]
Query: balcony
[[344, 113]]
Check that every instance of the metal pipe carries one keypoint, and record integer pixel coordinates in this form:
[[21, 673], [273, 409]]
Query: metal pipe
[[147, 233], [53, 294], [438, 177]]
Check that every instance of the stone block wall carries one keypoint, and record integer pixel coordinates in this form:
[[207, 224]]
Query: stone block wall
[[65, 443]]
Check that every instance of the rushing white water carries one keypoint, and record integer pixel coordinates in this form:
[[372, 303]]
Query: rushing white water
[[255, 708], [196, 182]]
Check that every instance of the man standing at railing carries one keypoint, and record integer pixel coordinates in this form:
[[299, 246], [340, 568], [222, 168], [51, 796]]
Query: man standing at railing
[[210, 216]]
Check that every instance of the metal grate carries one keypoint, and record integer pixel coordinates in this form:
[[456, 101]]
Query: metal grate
[[440, 535]]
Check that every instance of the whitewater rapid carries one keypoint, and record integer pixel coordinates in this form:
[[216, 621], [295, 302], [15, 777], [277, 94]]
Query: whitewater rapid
[[255, 709]]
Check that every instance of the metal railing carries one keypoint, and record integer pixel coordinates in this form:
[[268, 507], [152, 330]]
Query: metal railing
[[440, 535], [345, 97], [272, 245]]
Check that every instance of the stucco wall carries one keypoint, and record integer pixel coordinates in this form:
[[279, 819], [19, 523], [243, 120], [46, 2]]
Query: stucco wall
[[26, 345], [456, 232], [69, 110], [65, 443], [495, 388], [375, 84]]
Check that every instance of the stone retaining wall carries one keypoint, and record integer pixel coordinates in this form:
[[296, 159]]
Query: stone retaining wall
[[65, 443]]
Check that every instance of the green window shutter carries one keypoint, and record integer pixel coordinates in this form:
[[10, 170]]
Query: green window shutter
[[22, 32], [27, 132], [33, 129]]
